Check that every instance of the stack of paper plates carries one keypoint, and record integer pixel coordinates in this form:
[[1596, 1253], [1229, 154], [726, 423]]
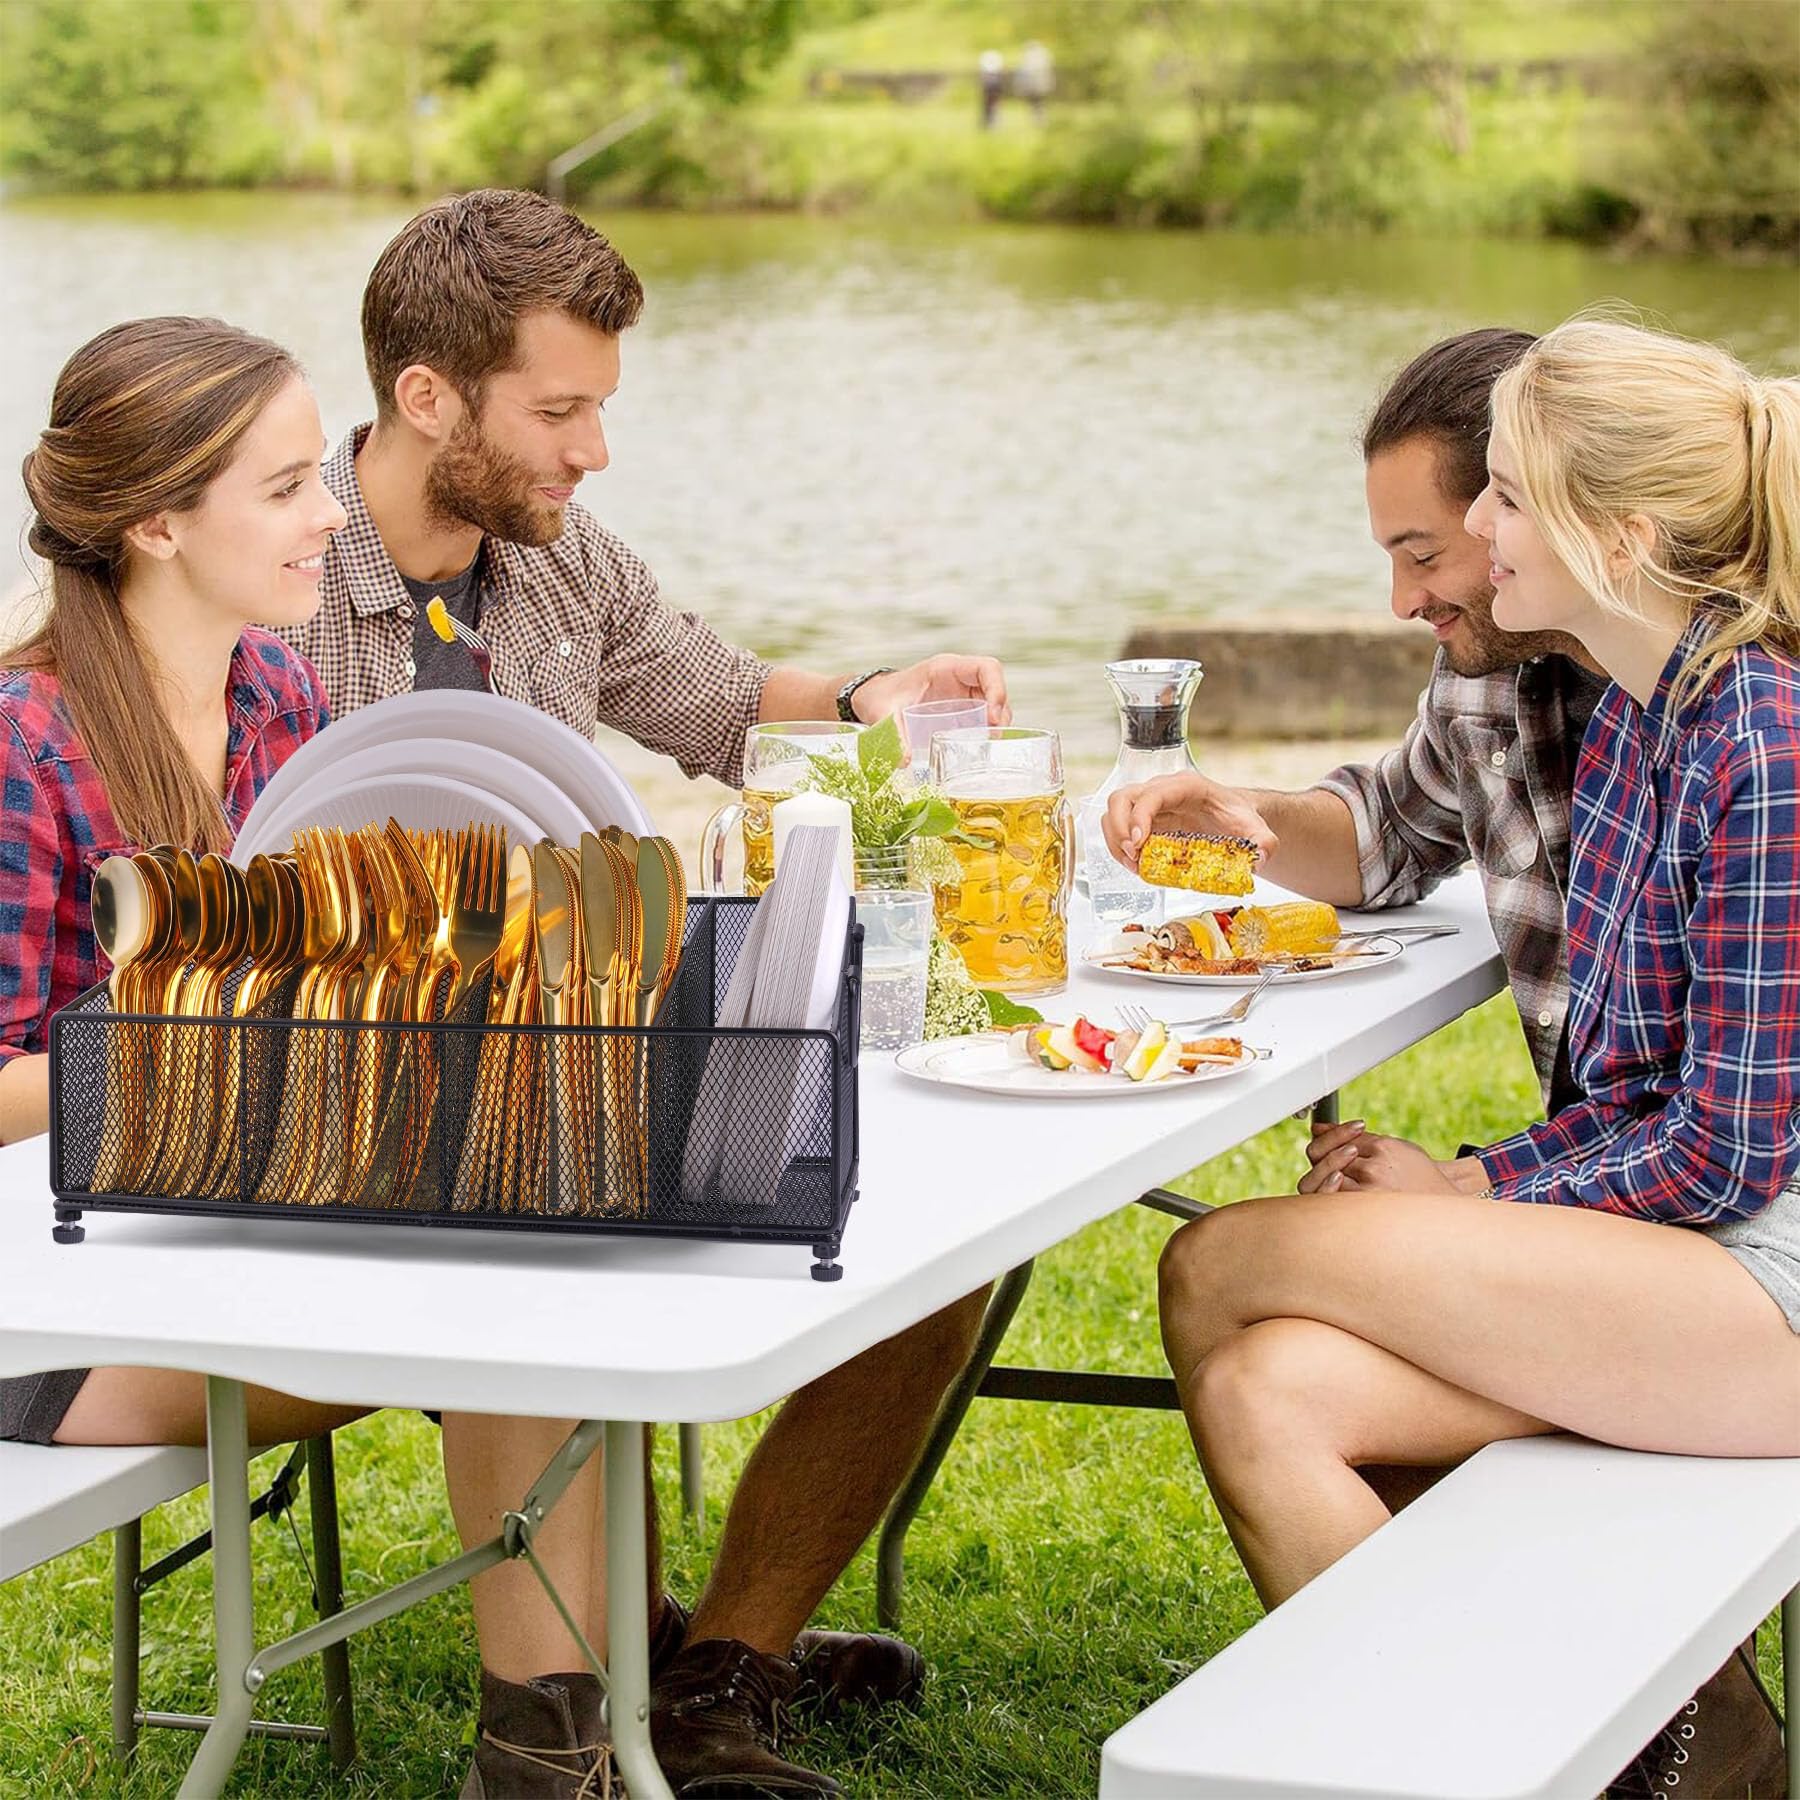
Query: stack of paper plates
[[444, 758]]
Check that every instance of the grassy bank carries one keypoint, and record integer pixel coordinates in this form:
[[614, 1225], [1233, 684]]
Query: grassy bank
[[1068, 1568], [1673, 123]]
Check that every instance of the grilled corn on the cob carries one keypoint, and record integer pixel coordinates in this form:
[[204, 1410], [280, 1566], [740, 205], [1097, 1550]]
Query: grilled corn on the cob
[[1294, 927], [1208, 865]]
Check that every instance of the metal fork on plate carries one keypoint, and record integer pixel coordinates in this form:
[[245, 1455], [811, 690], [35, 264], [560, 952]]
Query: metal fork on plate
[[1138, 1019]]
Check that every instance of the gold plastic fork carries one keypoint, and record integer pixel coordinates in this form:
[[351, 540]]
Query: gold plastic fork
[[478, 916]]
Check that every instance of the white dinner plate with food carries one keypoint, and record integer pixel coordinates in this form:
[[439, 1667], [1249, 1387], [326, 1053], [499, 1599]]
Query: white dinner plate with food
[[990, 1063], [1371, 953]]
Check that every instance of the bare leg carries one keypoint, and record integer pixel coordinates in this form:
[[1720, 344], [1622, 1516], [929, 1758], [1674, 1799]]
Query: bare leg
[[168, 1406], [1648, 1336], [1281, 1414], [490, 1463], [819, 1480], [1636, 1334]]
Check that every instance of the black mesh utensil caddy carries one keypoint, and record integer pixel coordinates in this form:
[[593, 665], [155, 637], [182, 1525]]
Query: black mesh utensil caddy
[[679, 1129]]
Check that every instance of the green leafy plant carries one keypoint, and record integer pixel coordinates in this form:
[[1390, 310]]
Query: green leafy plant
[[882, 813]]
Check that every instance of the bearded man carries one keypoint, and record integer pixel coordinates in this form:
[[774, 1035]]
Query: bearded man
[[491, 327]]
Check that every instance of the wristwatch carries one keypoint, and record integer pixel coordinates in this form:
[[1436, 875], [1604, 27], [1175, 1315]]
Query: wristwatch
[[846, 698]]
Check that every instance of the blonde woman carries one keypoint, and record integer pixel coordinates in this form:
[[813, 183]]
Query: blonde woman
[[1629, 1270]]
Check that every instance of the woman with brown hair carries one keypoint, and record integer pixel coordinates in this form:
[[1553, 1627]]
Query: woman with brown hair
[[180, 507]]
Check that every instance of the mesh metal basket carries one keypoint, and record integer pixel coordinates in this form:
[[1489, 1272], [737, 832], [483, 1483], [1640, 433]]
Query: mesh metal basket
[[681, 1128]]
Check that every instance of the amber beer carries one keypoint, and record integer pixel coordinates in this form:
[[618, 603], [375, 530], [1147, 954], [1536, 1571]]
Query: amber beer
[[758, 827], [1006, 909], [778, 761]]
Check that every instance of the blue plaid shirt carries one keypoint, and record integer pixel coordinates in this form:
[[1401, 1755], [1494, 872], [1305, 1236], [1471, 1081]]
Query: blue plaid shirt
[[57, 825], [1684, 956]]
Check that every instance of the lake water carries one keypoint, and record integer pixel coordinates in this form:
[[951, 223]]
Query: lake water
[[850, 442]]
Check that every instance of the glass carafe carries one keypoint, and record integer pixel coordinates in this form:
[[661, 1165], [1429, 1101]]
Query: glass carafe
[[1154, 696]]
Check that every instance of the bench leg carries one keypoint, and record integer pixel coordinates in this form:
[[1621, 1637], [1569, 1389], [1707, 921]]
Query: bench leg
[[234, 1626], [328, 1574], [128, 1562], [890, 1556], [1790, 1683], [693, 1475]]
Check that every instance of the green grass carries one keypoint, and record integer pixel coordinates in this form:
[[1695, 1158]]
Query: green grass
[[1068, 1567]]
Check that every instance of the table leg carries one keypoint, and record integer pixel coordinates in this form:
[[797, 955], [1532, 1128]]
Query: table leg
[[693, 1475], [890, 1553], [1790, 1681], [628, 1613], [228, 1478]]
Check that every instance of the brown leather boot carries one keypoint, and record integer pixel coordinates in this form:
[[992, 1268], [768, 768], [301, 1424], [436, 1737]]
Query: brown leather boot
[[542, 1740], [1725, 1744], [855, 1668], [718, 1718]]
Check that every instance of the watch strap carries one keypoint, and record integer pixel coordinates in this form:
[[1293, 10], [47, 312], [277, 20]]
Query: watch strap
[[846, 696]]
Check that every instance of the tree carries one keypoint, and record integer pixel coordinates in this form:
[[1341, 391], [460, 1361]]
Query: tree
[[116, 94]]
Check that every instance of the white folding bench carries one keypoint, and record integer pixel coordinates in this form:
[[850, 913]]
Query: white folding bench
[[54, 1498], [1518, 1633]]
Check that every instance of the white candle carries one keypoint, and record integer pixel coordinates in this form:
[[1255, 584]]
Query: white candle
[[815, 809]]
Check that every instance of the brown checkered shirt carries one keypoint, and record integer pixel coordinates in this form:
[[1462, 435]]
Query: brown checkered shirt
[[1485, 773], [575, 628]]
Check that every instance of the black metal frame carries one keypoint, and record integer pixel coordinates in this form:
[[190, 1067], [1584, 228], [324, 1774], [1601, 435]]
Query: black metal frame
[[980, 1380], [131, 1581], [77, 1032]]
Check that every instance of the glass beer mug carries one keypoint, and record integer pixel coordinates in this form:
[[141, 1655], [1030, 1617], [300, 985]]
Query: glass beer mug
[[777, 759], [1007, 908]]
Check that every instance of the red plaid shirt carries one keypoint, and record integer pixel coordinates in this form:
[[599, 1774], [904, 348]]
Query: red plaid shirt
[[57, 825], [1684, 957]]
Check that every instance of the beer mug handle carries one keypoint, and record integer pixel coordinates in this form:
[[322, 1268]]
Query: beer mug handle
[[712, 846], [1067, 821]]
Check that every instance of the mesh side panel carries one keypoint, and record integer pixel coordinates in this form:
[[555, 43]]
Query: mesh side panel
[[676, 1128]]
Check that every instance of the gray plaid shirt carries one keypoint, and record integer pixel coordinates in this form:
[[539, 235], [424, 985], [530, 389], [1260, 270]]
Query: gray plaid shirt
[[576, 629], [1485, 773]]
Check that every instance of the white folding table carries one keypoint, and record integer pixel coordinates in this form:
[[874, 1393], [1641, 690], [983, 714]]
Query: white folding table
[[956, 1189]]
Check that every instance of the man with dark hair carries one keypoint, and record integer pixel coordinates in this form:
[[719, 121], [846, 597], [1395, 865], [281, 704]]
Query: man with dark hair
[[1485, 771], [1484, 774], [491, 326]]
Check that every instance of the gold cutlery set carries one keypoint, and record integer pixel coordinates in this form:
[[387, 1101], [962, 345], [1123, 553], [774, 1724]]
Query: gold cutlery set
[[593, 937], [384, 928]]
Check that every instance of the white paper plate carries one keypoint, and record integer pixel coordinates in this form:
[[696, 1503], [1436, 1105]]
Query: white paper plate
[[991, 1065], [419, 802], [478, 722], [1374, 952], [504, 778]]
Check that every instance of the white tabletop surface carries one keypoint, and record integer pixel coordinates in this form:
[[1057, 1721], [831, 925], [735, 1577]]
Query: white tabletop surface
[[956, 1188]]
